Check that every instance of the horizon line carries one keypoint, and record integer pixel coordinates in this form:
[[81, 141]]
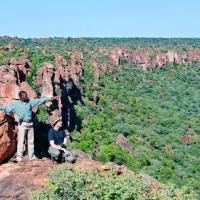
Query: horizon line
[[100, 37]]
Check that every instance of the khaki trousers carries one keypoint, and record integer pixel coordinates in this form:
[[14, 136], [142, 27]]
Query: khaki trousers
[[55, 154], [25, 129]]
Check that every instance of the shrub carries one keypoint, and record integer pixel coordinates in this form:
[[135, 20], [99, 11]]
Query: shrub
[[65, 183]]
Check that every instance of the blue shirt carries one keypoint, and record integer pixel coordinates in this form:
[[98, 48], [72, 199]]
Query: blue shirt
[[24, 109], [57, 136]]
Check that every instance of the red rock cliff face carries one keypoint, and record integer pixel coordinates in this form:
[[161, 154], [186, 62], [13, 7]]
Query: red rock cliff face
[[8, 135], [149, 57], [11, 82], [53, 78], [145, 59], [50, 76]]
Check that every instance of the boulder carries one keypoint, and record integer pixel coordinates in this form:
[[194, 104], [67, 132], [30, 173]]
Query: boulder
[[8, 135], [186, 139], [124, 143], [96, 71], [172, 56], [1, 48], [80, 155], [8, 132], [11, 46], [8, 74], [115, 55], [104, 67], [11, 91], [26, 87], [160, 60], [45, 79]]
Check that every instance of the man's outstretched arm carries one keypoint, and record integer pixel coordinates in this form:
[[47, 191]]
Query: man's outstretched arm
[[37, 102], [8, 108]]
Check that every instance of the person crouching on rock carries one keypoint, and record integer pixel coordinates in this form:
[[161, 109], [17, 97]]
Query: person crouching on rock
[[23, 109], [58, 140]]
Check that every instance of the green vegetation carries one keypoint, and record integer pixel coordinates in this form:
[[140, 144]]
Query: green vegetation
[[37, 59], [5, 56], [68, 184], [152, 109], [42, 114]]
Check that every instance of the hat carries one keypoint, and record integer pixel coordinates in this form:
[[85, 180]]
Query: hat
[[55, 117]]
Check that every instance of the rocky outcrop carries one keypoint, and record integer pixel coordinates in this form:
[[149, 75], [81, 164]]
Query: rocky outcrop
[[52, 78], [9, 74], [75, 67], [45, 79], [124, 143], [186, 139], [8, 135], [15, 71], [160, 60], [11, 83], [116, 54], [11, 46], [80, 155], [11, 91], [17, 181], [1, 48], [96, 70], [149, 57], [22, 66], [58, 79], [8, 131], [13, 80], [104, 67]]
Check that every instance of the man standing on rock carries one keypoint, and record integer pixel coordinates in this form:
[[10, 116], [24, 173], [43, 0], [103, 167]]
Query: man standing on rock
[[58, 139], [23, 109]]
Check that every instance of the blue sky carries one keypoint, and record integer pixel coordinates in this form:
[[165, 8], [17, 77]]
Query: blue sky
[[100, 18]]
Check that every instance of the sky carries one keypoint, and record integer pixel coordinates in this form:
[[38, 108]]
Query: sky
[[100, 18]]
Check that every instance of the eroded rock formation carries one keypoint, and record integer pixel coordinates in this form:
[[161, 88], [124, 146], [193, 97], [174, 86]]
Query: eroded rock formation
[[124, 143], [59, 79], [148, 57], [11, 83], [8, 135]]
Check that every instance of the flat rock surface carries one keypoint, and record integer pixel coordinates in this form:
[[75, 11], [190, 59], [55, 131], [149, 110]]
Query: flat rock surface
[[17, 180]]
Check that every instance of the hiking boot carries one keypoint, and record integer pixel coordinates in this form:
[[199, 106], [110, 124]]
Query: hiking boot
[[54, 160], [33, 158], [69, 158], [19, 159]]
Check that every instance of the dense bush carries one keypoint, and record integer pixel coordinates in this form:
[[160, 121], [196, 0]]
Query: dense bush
[[65, 183], [157, 106]]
